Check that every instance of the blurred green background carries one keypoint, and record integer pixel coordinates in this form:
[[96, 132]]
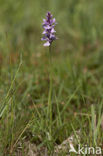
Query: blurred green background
[[77, 71], [79, 23]]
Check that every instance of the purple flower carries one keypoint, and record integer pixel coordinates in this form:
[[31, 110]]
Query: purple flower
[[49, 31]]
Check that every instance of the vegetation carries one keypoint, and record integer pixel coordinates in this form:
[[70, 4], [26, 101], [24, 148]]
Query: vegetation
[[77, 69]]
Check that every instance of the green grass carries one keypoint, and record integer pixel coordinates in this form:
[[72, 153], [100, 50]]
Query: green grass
[[29, 113]]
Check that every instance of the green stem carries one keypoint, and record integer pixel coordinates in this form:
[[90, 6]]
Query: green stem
[[50, 92]]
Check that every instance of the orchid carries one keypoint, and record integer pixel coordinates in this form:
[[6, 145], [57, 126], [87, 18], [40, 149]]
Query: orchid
[[49, 36], [49, 31]]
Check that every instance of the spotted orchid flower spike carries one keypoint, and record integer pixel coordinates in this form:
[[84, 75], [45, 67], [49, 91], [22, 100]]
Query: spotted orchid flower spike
[[49, 31]]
